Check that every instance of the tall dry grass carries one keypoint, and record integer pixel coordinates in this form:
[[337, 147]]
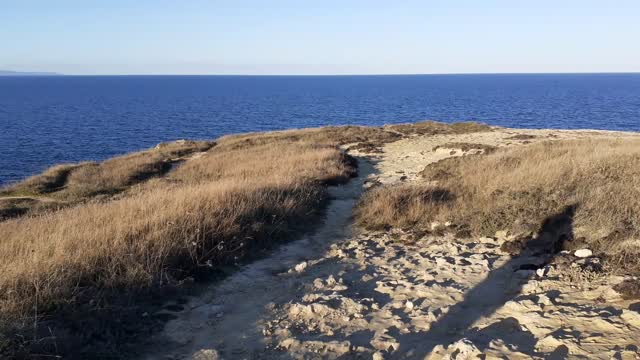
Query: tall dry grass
[[213, 210], [74, 181], [67, 184], [516, 189]]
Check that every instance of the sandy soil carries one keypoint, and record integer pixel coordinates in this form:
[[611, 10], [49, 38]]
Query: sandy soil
[[341, 294]]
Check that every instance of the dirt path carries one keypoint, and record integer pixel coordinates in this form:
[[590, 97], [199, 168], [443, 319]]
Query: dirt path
[[228, 316], [395, 295]]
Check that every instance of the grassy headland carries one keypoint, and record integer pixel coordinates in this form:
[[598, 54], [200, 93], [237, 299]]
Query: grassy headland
[[90, 241]]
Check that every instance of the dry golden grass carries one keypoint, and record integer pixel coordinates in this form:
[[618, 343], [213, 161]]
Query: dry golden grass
[[433, 128], [340, 135], [516, 189], [117, 174], [67, 184], [279, 159], [50, 180], [213, 210], [522, 137]]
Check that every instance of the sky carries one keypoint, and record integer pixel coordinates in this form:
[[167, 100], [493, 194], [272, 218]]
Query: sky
[[319, 37]]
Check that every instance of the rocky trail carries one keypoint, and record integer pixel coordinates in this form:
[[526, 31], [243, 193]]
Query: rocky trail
[[344, 293]]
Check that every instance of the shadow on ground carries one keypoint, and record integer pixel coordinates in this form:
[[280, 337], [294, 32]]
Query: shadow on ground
[[495, 291]]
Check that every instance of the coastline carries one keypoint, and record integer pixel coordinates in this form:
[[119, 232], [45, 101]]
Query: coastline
[[85, 118]]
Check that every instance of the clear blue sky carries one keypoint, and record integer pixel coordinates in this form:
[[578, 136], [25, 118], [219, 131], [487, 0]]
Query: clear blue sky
[[319, 37]]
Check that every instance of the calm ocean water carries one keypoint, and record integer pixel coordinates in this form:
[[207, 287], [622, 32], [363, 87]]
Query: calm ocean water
[[48, 120]]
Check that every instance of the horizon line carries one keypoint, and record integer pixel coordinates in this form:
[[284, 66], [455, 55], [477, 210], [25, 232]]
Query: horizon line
[[55, 74]]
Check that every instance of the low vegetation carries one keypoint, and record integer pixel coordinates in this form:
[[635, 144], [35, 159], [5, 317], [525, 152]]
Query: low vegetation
[[342, 135], [79, 273], [212, 211], [515, 189], [68, 184], [466, 147], [521, 137]]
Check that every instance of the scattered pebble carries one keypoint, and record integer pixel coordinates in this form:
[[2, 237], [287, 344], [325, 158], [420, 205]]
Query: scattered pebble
[[408, 305], [543, 271], [301, 267], [206, 354], [583, 253]]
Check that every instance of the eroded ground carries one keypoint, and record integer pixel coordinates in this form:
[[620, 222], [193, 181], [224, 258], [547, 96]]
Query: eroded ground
[[350, 294]]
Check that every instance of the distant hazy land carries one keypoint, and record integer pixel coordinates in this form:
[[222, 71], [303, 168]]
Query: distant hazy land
[[28, 73]]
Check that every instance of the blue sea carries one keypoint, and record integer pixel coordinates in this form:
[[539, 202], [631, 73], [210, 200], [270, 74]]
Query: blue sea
[[49, 120]]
